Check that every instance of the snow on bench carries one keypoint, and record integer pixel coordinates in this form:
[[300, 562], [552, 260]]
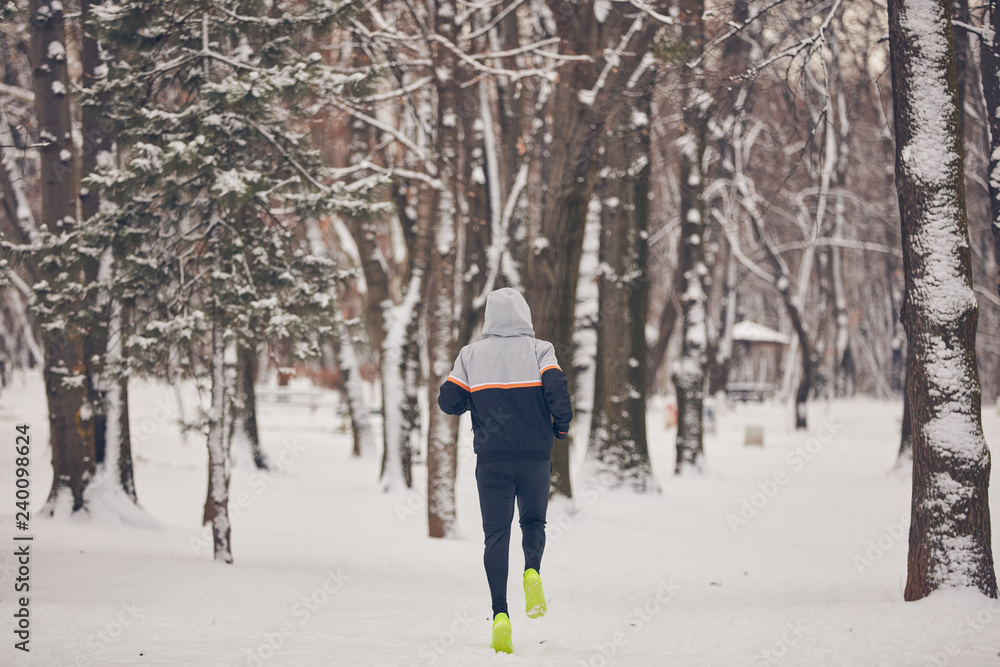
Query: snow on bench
[[291, 395]]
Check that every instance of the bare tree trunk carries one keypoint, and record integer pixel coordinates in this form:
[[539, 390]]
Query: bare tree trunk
[[963, 53], [667, 321], [721, 361], [808, 367], [511, 108], [689, 374], [244, 405], [126, 475], [843, 361], [906, 434], [70, 426], [802, 344], [950, 525], [618, 427]]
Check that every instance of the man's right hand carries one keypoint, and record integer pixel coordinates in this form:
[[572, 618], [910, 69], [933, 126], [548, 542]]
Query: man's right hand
[[560, 431]]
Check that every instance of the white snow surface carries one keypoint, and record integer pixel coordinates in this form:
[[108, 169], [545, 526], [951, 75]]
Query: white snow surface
[[328, 571]]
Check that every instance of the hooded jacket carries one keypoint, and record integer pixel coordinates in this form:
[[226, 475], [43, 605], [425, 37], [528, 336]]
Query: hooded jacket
[[512, 383]]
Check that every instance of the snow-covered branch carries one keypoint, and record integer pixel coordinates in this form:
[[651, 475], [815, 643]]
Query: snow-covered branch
[[17, 93]]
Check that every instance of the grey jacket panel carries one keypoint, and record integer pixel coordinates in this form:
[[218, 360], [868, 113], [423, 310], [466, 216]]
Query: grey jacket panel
[[509, 354]]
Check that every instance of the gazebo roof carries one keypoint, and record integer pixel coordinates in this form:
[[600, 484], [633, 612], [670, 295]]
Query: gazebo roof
[[751, 332]]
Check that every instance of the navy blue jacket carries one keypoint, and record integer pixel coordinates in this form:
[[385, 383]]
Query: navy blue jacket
[[512, 383]]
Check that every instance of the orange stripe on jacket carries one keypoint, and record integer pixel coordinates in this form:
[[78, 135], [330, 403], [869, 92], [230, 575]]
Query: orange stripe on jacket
[[548, 368], [510, 385], [460, 384]]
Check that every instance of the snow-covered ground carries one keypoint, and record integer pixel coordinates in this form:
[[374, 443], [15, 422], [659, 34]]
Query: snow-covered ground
[[790, 554]]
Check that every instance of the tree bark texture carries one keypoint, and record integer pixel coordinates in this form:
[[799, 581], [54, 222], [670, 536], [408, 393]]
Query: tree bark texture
[[949, 542], [689, 373], [70, 422], [442, 450], [990, 62], [618, 446], [584, 97]]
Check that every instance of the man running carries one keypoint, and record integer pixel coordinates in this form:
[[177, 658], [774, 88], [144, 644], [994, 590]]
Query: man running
[[519, 399]]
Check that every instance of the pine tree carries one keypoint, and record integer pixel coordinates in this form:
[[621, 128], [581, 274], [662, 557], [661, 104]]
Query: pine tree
[[215, 173]]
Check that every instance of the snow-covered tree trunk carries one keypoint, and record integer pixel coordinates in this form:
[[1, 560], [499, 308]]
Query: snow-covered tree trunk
[[399, 401], [109, 379], [103, 345], [442, 431], [71, 426], [217, 498], [617, 445], [689, 373], [990, 63], [478, 193], [400, 363], [357, 405], [553, 262], [400, 357], [950, 524], [584, 97], [116, 466]]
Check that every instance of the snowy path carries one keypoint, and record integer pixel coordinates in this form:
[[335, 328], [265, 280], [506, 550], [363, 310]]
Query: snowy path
[[330, 573]]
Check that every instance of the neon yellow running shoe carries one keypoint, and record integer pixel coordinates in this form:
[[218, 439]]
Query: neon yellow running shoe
[[501, 634], [534, 596]]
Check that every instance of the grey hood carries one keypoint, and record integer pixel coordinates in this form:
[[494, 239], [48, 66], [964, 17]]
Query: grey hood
[[507, 314]]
